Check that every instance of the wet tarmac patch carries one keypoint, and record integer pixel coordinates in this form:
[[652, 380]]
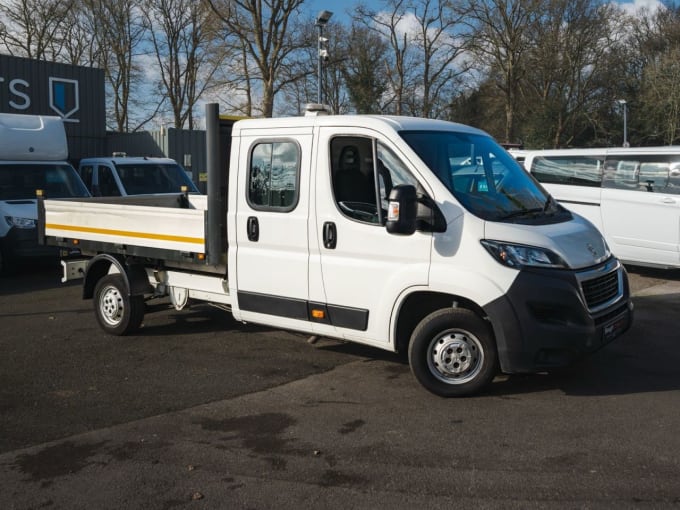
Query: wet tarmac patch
[[58, 460], [334, 478], [351, 426], [130, 450], [260, 432]]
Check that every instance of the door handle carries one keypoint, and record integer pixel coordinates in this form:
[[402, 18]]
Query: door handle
[[253, 229], [330, 235], [667, 200]]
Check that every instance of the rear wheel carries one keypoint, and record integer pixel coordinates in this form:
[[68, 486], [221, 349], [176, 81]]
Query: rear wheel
[[117, 312], [452, 353]]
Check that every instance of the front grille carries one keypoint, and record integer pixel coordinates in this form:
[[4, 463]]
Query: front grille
[[598, 291]]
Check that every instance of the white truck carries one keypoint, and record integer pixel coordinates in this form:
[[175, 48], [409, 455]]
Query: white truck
[[33, 152], [120, 176], [406, 234]]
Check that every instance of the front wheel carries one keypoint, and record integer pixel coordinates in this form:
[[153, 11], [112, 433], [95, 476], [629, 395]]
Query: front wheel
[[452, 353], [117, 312]]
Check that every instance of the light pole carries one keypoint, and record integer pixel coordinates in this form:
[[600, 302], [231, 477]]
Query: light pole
[[321, 21], [624, 105]]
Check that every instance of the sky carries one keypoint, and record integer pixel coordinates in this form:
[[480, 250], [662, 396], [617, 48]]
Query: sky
[[341, 9]]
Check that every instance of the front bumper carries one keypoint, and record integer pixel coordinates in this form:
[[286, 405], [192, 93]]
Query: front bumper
[[23, 243], [551, 318]]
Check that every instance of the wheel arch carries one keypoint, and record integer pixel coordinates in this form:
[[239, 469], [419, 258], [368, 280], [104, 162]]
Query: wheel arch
[[134, 275], [418, 305]]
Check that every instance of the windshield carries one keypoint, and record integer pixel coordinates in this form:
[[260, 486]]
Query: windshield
[[146, 178], [484, 178], [57, 180]]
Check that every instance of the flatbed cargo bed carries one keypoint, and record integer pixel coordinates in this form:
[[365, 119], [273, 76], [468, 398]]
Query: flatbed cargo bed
[[164, 227]]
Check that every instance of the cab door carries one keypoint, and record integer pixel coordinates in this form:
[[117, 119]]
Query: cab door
[[363, 269], [271, 224]]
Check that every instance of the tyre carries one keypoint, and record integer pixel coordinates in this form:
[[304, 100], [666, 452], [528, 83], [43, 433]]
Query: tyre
[[452, 353], [117, 312]]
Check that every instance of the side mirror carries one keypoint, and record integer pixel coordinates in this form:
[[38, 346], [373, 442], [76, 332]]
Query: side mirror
[[401, 210]]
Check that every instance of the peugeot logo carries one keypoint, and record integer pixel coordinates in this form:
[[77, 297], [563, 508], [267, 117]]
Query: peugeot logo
[[592, 250]]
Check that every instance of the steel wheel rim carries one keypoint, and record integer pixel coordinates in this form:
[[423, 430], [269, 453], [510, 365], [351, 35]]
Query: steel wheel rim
[[455, 356], [111, 305]]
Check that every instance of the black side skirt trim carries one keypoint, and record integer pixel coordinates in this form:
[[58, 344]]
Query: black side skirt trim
[[346, 317], [273, 305], [336, 315]]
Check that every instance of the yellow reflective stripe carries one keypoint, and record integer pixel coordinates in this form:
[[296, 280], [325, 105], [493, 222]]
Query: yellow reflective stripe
[[126, 233]]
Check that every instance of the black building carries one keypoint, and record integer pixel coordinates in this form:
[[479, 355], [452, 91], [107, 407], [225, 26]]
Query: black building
[[74, 93]]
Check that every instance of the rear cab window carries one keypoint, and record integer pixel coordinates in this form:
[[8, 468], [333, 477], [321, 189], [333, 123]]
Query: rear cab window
[[274, 175]]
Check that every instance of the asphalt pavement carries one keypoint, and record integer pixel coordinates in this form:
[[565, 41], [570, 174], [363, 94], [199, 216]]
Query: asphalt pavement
[[199, 412]]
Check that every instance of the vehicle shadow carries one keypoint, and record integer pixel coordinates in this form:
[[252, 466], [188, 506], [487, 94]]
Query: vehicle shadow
[[649, 272], [162, 319], [38, 275], [645, 359]]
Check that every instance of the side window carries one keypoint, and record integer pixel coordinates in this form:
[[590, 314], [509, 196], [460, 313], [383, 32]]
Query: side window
[[86, 176], [391, 172], [273, 176], [574, 170], [622, 174], [363, 179], [654, 176], [107, 183], [674, 178], [649, 174], [352, 174]]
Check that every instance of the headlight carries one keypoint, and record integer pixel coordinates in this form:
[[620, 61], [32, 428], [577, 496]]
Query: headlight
[[518, 256], [15, 221]]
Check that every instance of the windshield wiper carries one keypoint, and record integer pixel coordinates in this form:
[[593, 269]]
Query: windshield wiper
[[523, 212], [549, 202]]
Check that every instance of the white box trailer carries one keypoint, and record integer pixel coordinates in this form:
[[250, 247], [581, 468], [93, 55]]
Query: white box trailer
[[33, 152], [405, 234]]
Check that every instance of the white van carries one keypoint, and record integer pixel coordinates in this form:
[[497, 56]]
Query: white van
[[122, 176], [33, 153], [631, 194]]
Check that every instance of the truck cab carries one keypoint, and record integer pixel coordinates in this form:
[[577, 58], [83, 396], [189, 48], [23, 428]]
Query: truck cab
[[120, 176], [419, 236]]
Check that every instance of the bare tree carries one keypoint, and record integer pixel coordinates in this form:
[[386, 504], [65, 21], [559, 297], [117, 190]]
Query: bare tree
[[364, 70], [659, 96], [389, 22], [440, 45], [502, 39], [185, 45], [568, 61], [236, 86], [119, 39], [78, 47], [268, 38], [30, 28]]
